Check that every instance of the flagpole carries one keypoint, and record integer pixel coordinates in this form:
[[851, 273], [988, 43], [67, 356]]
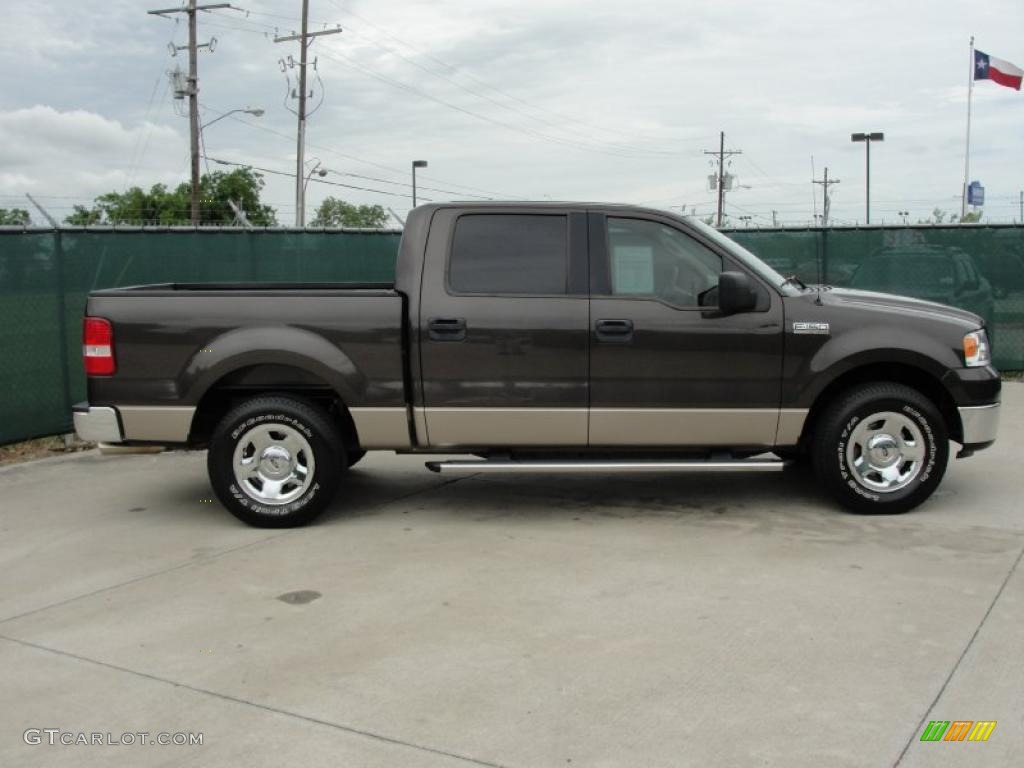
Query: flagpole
[[967, 149]]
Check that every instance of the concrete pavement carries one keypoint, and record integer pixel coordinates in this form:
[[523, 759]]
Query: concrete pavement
[[511, 621]]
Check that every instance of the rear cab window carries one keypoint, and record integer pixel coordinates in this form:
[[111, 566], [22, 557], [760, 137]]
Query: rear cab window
[[513, 254]]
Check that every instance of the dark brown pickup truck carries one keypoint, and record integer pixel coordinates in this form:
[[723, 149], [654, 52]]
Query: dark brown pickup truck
[[542, 337]]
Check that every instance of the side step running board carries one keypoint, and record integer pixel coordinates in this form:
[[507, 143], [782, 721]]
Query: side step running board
[[696, 465]]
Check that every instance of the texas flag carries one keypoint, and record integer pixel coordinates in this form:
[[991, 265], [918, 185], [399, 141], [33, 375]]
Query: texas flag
[[998, 71]]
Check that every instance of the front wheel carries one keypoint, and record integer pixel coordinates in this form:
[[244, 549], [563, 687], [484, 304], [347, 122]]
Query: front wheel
[[881, 449], [275, 462]]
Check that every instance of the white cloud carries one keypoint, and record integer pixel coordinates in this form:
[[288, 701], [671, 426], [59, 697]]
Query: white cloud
[[626, 98], [55, 154]]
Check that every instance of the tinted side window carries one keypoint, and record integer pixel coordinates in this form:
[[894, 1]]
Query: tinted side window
[[651, 259], [509, 253]]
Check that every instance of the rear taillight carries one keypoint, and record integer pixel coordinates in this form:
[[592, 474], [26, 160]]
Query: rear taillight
[[98, 347]]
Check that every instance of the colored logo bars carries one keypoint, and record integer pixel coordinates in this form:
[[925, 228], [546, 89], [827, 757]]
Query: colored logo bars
[[958, 730]]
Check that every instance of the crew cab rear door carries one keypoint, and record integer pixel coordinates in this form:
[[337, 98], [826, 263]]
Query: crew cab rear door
[[503, 329], [668, 369]]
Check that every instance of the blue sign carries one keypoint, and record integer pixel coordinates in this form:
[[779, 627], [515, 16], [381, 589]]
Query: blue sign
[[975, 193]]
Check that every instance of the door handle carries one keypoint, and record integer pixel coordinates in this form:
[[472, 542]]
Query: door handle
[[447, 329], [614, 331]]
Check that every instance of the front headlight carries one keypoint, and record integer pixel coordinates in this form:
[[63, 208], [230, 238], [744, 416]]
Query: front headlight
[[976, 349]]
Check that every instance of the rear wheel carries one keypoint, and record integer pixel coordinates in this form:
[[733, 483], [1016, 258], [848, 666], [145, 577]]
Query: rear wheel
[[275, 461], [881, 449]]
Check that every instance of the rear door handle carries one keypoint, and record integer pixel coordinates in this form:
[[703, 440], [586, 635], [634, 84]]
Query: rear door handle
[[447, 329], [614, 331]]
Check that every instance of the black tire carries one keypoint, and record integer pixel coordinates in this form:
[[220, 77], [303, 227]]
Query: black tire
[[355, 456], [838, 427], [300, 423]]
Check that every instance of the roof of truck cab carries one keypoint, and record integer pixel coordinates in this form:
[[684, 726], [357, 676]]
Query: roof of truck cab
[[558, 204]]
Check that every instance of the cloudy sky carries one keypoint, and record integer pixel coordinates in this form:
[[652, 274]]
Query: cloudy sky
[[527, 99]]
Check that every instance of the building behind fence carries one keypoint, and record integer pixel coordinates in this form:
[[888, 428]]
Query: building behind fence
[[46, 274]]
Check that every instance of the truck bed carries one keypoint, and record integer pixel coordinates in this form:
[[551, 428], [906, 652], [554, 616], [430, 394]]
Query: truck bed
[[173, 341]]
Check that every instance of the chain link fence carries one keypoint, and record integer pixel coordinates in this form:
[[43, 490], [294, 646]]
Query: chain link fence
[[46, 275]]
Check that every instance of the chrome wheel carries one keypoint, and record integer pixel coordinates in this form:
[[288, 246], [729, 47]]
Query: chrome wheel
[[273, 464], [886, 451]]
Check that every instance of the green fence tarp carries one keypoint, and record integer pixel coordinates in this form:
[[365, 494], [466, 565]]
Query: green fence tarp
[[45, 276], [978, 268]]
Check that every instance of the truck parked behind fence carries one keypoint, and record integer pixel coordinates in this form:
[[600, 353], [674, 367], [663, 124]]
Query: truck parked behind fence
[[540, 338]]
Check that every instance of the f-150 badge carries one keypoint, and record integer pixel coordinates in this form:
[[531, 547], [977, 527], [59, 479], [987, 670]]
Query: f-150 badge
[[812, 328]]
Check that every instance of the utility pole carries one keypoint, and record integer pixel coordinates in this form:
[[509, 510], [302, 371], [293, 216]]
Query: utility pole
[[775, 218], [193, 91], [827, 201], [304, 39], [722, 153], [1022, 206]]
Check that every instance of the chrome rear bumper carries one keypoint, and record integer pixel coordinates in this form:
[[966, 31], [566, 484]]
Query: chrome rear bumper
[[97, 424], [980, 423], [168, 424]]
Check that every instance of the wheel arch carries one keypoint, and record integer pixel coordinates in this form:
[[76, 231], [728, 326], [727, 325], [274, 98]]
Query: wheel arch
[[910, 375], [258, 379]]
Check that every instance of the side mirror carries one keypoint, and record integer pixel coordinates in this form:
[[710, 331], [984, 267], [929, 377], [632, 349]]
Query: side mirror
[[735, 293]]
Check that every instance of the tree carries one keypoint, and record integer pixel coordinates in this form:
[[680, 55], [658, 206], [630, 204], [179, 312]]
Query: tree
[[337, 213], [940, 216], [711, 218], [17, 217], [173, 207]]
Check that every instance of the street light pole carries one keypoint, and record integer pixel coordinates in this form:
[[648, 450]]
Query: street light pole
[[867, 138], [416, 164], [247, 110], [202, 141], [321, 173]]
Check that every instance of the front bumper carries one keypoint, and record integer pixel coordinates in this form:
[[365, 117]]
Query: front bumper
[[980, 423], [97, 424]]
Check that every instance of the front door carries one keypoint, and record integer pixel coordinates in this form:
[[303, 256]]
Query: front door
[[503, 329], [666, 368]]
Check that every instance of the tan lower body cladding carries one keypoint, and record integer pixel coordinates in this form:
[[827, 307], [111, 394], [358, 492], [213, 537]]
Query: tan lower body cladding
[[609, 426], [388, 428], [156, 423]]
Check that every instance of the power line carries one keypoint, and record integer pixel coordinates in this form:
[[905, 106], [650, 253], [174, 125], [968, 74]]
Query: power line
[[620, 150], [317, 180], [480, 95], [616, 151], [456, 70], [347, 60], [371, 163]]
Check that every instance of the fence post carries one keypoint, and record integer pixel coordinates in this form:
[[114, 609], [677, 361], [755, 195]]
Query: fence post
[[824, 256], [62, 331], [62, 326]]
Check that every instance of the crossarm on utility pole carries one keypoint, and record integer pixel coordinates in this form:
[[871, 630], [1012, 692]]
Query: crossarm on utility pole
[[164, 11]]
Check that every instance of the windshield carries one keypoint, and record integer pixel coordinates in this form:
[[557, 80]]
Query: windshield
[[748, 259]]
